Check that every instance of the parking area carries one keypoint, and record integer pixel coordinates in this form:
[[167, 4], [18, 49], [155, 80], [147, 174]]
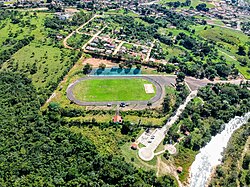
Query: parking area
[[147, 137]]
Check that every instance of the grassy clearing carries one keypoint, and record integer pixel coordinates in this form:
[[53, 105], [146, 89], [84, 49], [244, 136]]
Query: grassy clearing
[[8, 29], [131, 156], [198, 101], [112, 90], [107, 141], [229, 40], [43, 60], [150, 121], [172, 93], [78, 40], [101, 118], [184, 158], [225, 35], [244, 70], [60, 92], [44, 64], [194, 3], [161, 147]]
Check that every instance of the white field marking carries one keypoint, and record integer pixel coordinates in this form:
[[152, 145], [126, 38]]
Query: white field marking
[[149, 88]]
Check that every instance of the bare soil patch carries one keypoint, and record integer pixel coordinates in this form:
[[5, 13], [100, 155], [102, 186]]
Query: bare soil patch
[[95, 62]]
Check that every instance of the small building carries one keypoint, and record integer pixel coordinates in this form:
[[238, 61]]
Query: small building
[[187, 133], [117, 119], [179, 169], [63, 16], [134, 146]]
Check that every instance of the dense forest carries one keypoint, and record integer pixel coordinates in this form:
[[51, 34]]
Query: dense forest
[[235, 167], [36, 149]]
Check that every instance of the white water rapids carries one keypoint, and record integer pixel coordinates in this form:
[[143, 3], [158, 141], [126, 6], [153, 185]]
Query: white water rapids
[[211, 155]]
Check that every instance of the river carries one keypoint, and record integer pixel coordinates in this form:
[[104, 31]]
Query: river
[[210, 155]]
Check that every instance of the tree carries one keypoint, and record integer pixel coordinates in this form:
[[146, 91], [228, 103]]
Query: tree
[[102, 66], [223, 70], [138, 66], [169, 68], [241, 51], [129, 65], [87, 68], [166, 155], [243, 61], [202, 7], [121, 66], [180, 77], [166, 104], [246, 162], [33, 69]]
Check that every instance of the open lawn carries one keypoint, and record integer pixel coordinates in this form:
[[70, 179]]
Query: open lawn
[[107, 141], [43, 59], [131, 156], [77, 40], [44, 64], [228, 40], [112, 90], [184, 158]]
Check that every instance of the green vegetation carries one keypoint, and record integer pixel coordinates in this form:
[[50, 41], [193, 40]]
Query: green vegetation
[[184, 158], [46, 153], [31, 46], [44, 64], [107, 141], [131, 156], [235, 168], [112, 90], [181, 43], [229, 41], [77, 40]]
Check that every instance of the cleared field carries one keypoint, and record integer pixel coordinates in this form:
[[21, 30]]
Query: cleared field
[[44, 64], [112, 90]]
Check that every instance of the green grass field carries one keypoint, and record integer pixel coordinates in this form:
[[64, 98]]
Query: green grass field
[[43, 60], [78, 40], [112, 90], [50, 63], [229, 41], [106, 141]]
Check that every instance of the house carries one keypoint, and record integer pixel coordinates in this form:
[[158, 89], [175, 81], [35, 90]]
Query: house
[[117, 119], [134, 146], [62, 16], [179, 169]]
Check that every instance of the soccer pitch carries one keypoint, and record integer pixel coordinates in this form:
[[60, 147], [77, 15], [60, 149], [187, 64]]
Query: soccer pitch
[[99, 90]]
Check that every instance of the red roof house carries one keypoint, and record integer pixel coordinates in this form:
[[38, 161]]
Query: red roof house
[[117, 119]]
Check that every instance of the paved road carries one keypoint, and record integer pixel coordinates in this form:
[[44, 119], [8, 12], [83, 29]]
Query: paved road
[[155, 80]]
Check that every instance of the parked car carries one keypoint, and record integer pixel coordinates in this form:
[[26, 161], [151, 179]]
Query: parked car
[[122, 105], [109, 104]]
